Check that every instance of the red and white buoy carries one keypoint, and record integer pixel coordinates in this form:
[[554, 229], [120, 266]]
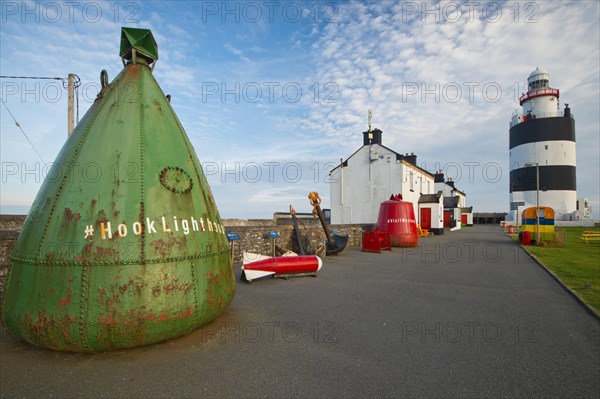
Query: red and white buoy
[[256, 266]]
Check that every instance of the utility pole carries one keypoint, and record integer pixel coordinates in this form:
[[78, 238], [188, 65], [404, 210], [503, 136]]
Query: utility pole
[[537, 199], [71, 107]]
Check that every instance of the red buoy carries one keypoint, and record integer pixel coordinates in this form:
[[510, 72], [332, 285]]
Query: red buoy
[[256, 266], [397, 218]]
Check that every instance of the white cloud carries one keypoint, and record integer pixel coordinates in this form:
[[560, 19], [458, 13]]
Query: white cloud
[[374, 56], [237, 52]]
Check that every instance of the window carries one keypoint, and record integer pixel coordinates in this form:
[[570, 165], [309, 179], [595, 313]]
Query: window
[[541, 213]]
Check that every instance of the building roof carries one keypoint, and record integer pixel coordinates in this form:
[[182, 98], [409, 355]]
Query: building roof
[[537, 71], [451, 202], [430, 198], [399, 157]]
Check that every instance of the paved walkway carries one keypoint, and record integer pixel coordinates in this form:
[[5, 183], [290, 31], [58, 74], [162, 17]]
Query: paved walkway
[[467, 314]]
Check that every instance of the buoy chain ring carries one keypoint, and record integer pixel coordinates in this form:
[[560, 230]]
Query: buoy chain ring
[[176, 180]]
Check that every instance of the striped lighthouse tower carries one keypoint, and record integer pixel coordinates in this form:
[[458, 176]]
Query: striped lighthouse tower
[[542, 145]]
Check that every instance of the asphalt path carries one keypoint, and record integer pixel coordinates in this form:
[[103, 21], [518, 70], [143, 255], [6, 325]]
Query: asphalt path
[[466, 314]]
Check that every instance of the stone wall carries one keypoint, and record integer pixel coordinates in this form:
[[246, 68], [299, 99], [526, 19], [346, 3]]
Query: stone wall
[[253, 236], [11, 222], [576, 223], [10, 227], [256, 239]]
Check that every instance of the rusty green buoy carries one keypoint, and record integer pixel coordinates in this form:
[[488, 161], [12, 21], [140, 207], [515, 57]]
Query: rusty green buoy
[[123, 245]]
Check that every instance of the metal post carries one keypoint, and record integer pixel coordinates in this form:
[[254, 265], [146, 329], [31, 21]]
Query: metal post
[[537, 199], [342, 183], [325, 227], [70, 106], [537, 206]]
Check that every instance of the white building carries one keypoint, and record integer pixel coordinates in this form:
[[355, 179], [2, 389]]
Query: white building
[[584, 210], [456, 212], [431, 211], [373, 173], [542, 153]]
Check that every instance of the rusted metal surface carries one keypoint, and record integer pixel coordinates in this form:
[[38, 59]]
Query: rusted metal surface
[[297, 234], [124, 246], [335, 243]]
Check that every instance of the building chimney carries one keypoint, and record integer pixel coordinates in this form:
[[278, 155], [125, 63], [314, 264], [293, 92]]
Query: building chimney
[[411, 159], [372, 137], [450, 182], [438, 177]]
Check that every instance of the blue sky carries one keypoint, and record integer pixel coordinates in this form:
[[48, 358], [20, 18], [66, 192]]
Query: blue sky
[[272, 94]]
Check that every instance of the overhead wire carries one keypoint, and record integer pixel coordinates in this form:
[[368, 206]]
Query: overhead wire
[[65, 82], [23, 131]]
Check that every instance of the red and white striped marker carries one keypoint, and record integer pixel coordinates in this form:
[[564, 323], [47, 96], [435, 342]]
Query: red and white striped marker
[[256, 266]]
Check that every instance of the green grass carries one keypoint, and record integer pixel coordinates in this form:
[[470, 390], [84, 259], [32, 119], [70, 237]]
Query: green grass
[[577, 264]]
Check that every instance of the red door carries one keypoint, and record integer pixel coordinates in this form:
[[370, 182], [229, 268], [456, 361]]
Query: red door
[[426, 218], [447, 218], [463, 219]]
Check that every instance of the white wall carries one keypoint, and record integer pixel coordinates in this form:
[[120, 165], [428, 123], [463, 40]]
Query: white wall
[[559, 152], [562, 201], [457, 212], [574, 223], [541, 106], [372, 175], [437, 213], [462, 201], [469, 218], [446, 189]]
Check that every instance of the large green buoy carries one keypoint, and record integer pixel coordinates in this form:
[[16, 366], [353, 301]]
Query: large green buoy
[[124, 244]]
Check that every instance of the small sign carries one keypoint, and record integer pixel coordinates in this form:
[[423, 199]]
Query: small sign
[[233, 236], [273, 234], [515, 205]]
